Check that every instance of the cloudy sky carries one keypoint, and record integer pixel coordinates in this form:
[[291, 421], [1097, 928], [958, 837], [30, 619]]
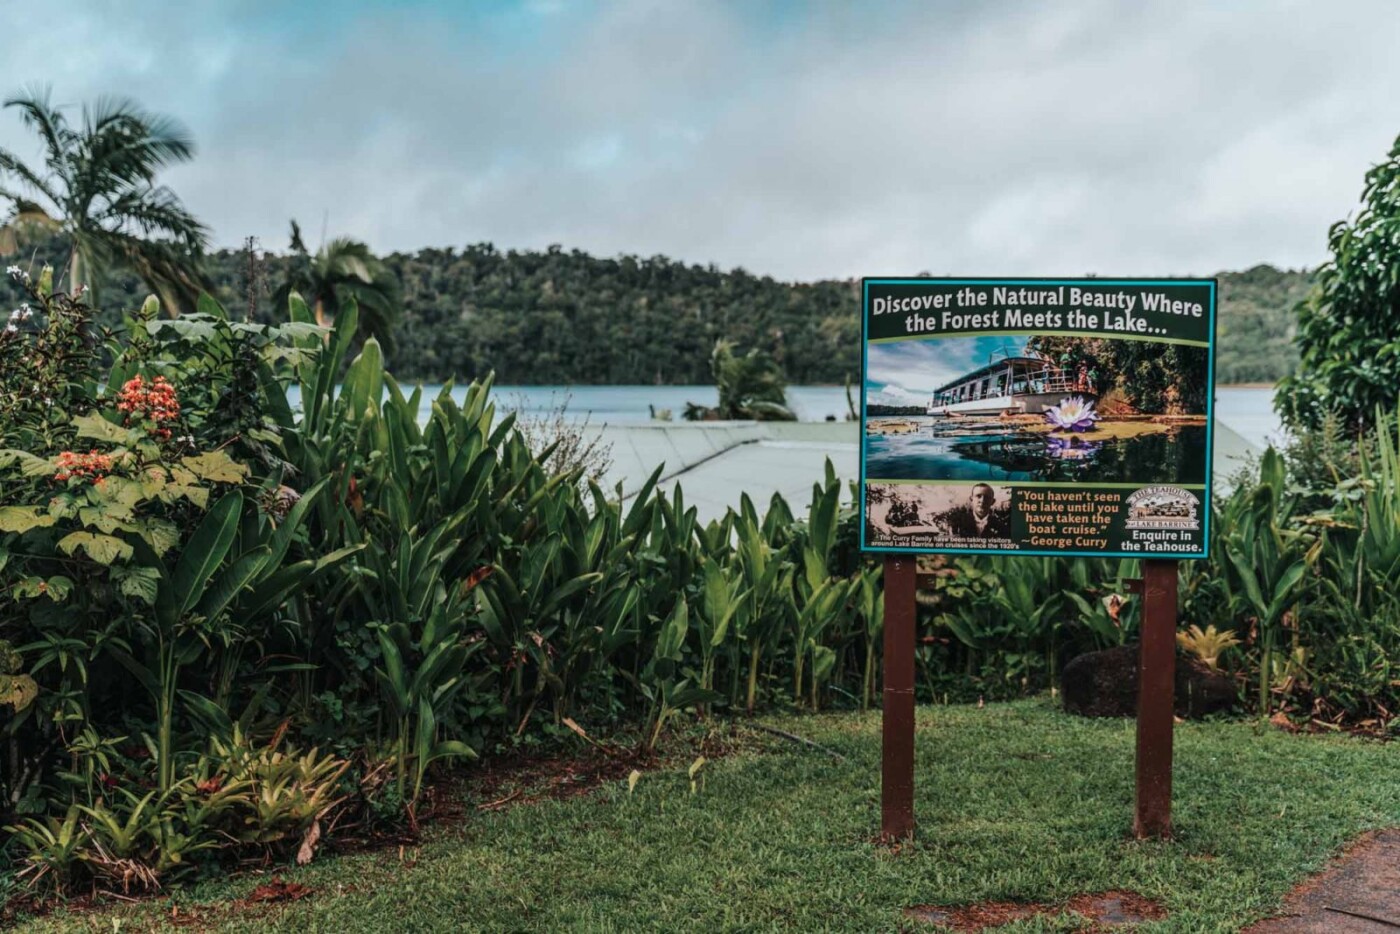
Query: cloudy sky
[[801, 140], [906, 372]]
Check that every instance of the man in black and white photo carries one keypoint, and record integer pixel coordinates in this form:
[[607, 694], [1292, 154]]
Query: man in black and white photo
[[980, 518]]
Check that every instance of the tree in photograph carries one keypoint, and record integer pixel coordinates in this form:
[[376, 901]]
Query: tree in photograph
[[97, 192], [344, 270], [1347, 337]]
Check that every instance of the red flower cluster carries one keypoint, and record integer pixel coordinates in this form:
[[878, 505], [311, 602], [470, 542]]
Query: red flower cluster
[[92, 466], [154, 401]]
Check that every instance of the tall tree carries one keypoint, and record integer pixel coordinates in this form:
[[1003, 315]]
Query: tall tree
[[1347, 336], [97, 190], [339, 271]]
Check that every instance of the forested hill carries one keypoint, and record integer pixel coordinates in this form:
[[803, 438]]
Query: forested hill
[[568, 317], [562, 316]]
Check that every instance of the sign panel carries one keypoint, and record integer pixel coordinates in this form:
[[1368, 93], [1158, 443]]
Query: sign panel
[[1037, 416]]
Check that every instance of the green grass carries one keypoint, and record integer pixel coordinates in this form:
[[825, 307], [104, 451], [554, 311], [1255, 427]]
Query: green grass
[[1015, 801]]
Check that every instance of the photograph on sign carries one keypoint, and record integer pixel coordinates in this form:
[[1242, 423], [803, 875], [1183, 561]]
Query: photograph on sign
[[1048, 416]]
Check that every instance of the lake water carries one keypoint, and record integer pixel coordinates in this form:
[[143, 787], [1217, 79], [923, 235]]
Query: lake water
[[991, 450], [1248, 411]]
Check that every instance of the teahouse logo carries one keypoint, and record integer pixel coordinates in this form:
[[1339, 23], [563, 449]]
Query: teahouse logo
[[1162, 507]]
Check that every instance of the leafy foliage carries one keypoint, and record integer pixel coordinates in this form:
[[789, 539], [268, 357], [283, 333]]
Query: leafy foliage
[[1350, 350], [97, 191]]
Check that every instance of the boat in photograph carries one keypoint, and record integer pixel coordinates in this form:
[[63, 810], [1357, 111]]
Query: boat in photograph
[[1015, 385]]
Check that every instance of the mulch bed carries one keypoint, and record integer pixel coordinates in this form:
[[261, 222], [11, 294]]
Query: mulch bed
[[1103, 910]]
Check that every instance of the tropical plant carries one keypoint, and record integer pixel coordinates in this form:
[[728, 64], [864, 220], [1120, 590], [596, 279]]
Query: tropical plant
[[97, 189], [749, 386], [1207, 644], [1350, 354], [1268, 556], [340, 272]]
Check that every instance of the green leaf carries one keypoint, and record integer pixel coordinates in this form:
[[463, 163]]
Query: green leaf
[[98, 428], [29, 464], [104, 549], [208, 305], [225, 588], [215, 467], [23, 518], [136, 581], [205, 551], [161, 534]]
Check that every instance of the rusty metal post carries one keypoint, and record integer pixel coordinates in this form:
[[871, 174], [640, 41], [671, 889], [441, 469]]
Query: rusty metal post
[[1152, 810], [897, 738]]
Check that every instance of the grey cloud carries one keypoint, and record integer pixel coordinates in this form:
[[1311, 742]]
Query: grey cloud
[[1016, 138]]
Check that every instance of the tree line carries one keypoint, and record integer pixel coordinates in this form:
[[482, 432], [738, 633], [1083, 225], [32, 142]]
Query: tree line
[[566, 317]]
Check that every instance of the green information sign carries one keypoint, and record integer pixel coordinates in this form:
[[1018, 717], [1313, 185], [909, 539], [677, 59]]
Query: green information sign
[[1037, 416]]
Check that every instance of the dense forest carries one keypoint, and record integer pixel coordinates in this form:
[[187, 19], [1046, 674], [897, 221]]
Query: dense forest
[[567, 317]]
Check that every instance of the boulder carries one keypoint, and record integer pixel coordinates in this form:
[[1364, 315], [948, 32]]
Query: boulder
[[1105, 684]]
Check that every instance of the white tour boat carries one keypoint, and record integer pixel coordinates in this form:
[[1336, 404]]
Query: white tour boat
[[1016, 385]]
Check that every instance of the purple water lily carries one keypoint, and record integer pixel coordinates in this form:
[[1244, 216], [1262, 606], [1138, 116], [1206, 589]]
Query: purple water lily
[[1071, 448], [1074, 413]]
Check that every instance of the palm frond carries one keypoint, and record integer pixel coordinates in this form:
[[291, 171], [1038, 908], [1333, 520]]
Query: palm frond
[[123, 142], [156, 210], [37, 113], [168, 268], [9, 162]]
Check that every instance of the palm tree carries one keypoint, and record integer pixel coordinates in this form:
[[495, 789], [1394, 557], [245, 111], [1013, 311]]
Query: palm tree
[[97, 191], [342, 270]]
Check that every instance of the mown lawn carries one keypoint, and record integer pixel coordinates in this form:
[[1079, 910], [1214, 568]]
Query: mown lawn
[[1016, 802]]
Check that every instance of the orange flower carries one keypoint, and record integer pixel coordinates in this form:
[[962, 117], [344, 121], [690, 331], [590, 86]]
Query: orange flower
[[155, 401], [90, 466]]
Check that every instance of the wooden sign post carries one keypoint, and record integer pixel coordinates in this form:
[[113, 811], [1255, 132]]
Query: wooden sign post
[[1152, 797], [897, 720], [1152, 800]]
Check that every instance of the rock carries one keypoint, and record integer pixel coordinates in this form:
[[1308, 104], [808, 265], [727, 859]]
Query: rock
[[1105, 684]]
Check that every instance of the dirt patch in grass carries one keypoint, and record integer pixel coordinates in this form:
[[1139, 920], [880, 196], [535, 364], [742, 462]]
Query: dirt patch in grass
[[514, 780], [1103, 910], [1359, 892]]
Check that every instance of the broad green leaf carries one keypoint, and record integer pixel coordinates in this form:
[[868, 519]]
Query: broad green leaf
[[215, 467], [98, 428], [161, 534], [208, 305], [225, 588], [104, 549], [205, 551], [29, 464], [23, 518], [136, 581]]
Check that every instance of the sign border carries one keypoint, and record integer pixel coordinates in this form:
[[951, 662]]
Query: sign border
[[1213, 283]]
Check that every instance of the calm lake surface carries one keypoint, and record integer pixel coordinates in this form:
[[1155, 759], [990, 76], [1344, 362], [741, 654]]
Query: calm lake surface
[[1247, 410], [991, 451]]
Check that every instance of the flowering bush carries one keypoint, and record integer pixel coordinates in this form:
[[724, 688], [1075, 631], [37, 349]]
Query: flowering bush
[[90, 466], [154, 403]]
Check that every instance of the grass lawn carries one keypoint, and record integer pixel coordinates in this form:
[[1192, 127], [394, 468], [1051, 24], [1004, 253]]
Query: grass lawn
[[1015, 801]]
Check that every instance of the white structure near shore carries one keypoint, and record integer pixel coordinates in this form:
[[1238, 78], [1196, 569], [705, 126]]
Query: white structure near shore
[[714, 462]]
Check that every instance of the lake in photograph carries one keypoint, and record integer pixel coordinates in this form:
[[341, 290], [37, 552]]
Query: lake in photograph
[[935, 447]]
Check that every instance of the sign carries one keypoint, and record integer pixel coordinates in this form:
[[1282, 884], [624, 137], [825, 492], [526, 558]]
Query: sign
[[1037, 416]]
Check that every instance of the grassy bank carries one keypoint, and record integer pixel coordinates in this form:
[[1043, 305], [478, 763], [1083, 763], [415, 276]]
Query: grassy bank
[[1016, 801]]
